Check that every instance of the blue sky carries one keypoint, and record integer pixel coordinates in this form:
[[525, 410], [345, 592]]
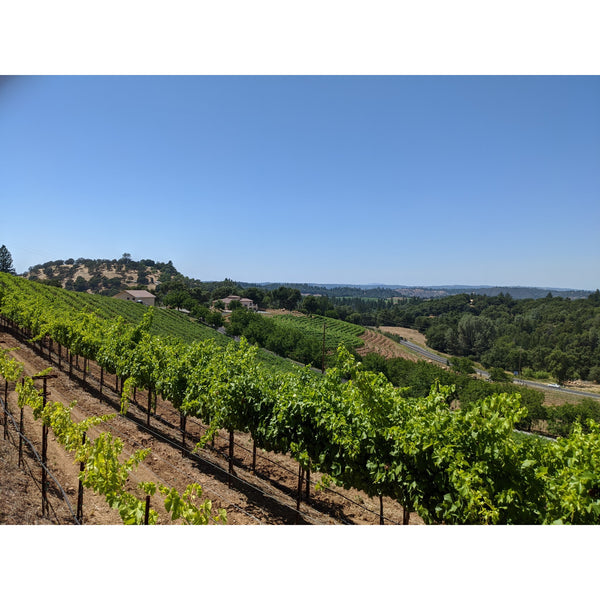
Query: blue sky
[[415, 180]]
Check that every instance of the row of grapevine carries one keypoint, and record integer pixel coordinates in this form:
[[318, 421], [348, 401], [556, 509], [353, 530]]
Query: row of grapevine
[[337, 332], [166, 323], [103, 470], [353, 426]]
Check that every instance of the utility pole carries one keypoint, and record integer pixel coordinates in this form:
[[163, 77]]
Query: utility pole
[[323, 352]]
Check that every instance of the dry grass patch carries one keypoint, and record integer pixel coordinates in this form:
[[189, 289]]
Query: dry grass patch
[[412, 335]]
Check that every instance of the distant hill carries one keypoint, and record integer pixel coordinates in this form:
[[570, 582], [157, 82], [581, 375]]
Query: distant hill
[[519, 293], [102, 276], [384, 291]]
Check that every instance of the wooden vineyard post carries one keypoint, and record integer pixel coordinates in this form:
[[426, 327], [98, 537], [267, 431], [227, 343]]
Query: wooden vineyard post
[[253, 456], [80, 488], [45, 395], [21, 439], [147, 512], [230, 457], [6, 409], [59, 356], [85, 362], [323, 353], [405, 515], [182, 424], [44, 456], [70, 363], [299, 495], [381, 509], [149, 407], [308, 483]]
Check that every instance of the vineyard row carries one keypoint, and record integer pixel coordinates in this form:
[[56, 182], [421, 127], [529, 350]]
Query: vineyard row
[[101, 467]]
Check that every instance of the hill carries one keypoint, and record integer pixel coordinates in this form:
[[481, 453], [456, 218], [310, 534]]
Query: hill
[[102, 276], [384, 292], [516, 292]]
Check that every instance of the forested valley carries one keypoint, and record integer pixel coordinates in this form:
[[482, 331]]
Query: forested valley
[[538, 338]]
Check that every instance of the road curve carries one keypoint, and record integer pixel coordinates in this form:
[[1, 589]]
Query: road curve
[[550, 388], [424, 352], [534, 384]]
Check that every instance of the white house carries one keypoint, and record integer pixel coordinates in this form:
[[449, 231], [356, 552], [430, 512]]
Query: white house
[[140, 296], [245, 302]]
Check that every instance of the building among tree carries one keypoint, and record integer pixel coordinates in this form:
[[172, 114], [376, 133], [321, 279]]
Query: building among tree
[[140, 296], [245, 302]]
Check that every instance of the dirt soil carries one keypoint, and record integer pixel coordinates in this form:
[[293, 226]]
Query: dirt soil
[[380, 344], [266, 496], [583, 386]]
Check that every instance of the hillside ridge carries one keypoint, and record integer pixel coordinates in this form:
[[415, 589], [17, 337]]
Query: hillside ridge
[[102, 276]]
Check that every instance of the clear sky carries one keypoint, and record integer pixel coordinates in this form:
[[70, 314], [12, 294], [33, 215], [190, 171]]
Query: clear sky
[[414, 180]]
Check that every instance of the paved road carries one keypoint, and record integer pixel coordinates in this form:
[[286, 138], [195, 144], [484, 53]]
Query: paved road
[[550, 388], [534, 384], [424, 352]]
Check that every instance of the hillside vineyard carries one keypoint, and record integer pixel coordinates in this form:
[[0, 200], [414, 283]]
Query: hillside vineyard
[[450, 466]]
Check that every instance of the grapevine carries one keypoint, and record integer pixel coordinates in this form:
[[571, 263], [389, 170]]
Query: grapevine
[[451, 466], [103, 471]]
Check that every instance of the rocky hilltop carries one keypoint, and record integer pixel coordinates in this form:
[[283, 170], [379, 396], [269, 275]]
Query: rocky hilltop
[[102, 276]]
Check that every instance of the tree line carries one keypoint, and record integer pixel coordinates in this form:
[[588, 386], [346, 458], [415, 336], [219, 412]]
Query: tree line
[[418, 377], [538, 338]]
